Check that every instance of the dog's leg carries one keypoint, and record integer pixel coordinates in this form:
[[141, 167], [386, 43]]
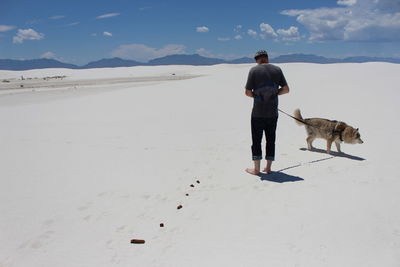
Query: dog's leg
[[328, 145], [338, 146], [310, 139]]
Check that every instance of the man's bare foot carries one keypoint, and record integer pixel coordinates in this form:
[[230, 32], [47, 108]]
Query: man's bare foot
[[252, 171], [267, 168], [267, 171]]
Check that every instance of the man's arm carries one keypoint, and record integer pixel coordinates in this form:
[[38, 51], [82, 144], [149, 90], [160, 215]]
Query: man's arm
[[283, 90], [249, 93]]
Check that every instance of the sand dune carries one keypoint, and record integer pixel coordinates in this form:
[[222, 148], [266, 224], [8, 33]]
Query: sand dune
[[86, 170], [57, 82]]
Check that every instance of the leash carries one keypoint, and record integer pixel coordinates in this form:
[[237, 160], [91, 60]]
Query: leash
[[294, 118]]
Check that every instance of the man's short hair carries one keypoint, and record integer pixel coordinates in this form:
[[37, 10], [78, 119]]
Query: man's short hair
[[260, 53]]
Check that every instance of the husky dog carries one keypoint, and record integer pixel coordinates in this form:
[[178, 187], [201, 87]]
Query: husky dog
[[331, 131]]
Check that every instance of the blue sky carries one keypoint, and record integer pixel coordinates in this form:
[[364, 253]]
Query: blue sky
[[81, 31]]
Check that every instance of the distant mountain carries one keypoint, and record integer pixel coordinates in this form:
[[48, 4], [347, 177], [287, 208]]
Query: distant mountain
[[370, 59], [242, 60], [303, 58], [43, 63], [323, 60], [112, 63], [186, 60], [197, 60]]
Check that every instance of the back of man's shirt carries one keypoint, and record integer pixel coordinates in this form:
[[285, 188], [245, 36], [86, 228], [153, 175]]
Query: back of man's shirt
[[264, 80]]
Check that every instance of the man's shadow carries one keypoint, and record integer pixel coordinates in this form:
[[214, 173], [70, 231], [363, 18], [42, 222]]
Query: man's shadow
[[335, 154], [279, 177]]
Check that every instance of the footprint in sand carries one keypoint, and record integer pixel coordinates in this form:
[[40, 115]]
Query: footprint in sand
[[87, 218], [85, 207], [102, 194], [48, 223], [41, 240], [120, 229]]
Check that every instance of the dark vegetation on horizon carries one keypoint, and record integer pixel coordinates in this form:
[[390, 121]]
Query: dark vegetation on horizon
[[196, 60]]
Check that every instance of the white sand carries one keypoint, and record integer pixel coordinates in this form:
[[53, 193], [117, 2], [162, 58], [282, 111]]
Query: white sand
[[85, 170]]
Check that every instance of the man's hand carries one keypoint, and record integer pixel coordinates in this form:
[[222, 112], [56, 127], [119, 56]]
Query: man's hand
[[283, 90], [249, 93]]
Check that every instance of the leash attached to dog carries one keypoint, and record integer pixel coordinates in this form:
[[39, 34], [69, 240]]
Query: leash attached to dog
[[294, 117]]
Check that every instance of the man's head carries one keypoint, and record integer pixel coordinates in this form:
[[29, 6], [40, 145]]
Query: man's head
[[261, 57]]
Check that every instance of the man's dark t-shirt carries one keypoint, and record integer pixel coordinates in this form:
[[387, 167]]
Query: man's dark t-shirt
[[264, 80]]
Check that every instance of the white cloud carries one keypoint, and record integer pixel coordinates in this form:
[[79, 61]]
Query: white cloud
[[28, 34], [223, 39], [34, 21], [144, 8], [291, 34], [238, 28], [205, 53], [144, 53], [5, 28], [362, 20], [57, 17], [109, 15], [238, 37], [346, 2], [385, 6], [48, 55], [202, 29], [267, 31], [324, 24], [73, 23], [252, 33], [107, 34]]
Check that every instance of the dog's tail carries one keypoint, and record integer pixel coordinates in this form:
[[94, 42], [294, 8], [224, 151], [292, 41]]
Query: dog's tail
[[299, 118]]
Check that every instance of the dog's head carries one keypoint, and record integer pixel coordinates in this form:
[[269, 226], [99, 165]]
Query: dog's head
[[352, 136]]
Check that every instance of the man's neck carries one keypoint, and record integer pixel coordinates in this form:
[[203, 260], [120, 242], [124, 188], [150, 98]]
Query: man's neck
[[262, 62]]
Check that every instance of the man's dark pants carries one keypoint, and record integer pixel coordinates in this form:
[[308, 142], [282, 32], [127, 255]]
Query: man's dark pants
[[258, 127]]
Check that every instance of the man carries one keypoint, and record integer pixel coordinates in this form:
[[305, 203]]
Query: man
[[264, 83]]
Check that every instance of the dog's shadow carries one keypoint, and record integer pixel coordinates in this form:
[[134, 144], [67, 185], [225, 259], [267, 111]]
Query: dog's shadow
[[279, 177], [335, 154]]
